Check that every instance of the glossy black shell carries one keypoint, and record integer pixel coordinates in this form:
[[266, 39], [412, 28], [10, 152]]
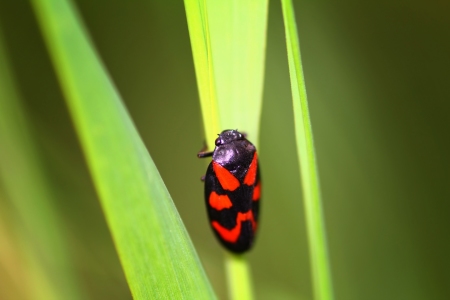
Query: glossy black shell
[[234, 152]]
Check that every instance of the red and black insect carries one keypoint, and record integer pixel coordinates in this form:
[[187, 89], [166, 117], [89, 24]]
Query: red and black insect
[[232, 190]]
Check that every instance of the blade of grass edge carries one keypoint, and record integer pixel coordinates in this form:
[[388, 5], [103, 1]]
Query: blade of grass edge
[[320, 267], [47, 271], [154, 248], [197, 19]]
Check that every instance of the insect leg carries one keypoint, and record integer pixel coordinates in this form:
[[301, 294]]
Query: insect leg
[[203, 153]]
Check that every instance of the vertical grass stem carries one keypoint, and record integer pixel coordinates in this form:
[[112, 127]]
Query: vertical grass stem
[[320, 267]]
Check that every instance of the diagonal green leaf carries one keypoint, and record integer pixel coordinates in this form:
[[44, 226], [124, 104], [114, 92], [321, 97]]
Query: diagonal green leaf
[[49, 274], [320, 267], [155, 250]]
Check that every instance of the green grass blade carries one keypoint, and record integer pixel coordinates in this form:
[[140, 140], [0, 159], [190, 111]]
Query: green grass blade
[[238, 277], [308, 169], [197, 18], [154, 248], [47, 271], [238, 41], [228, 41]]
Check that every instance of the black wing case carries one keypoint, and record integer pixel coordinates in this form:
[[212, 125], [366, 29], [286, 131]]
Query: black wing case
[[235, 224]]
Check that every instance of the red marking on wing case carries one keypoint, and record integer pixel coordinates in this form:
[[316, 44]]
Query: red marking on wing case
[[250, 177], [232, 235], [219, 202], [226, 179], [257, 192]]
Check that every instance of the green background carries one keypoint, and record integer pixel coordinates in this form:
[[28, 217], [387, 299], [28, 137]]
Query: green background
[[377, 76]]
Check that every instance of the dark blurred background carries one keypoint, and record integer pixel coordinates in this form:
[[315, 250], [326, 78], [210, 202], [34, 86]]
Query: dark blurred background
[[377, 76]]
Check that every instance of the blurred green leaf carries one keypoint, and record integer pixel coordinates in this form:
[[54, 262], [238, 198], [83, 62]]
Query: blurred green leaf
[[153, 245], [308, 169], [47, 271]]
